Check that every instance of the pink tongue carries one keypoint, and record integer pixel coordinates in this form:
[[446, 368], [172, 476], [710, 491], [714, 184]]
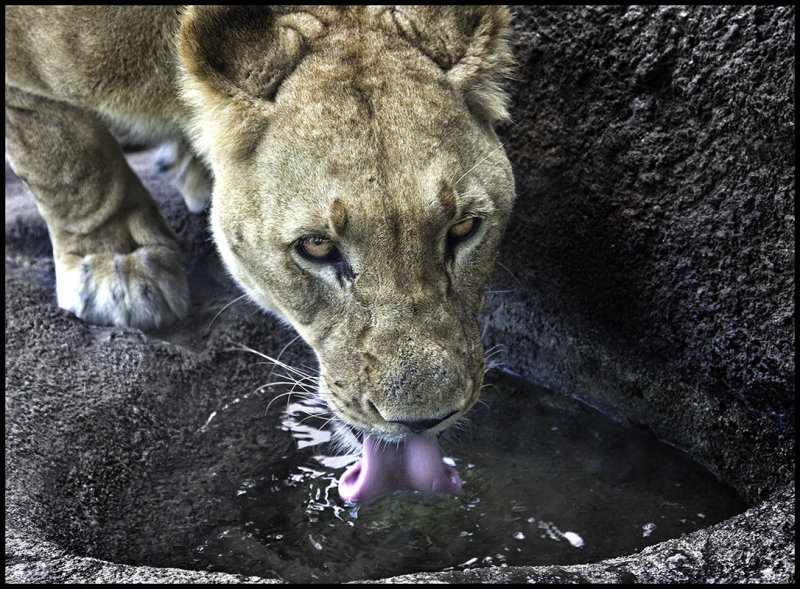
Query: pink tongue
[[415, 464]]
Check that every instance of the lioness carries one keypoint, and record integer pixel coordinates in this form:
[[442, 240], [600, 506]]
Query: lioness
[[359, 190]]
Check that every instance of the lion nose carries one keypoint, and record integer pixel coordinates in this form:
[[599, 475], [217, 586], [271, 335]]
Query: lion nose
[[422, 425]]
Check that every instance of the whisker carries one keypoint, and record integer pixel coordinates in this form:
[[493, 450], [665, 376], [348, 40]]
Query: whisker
[[304, 385], [504, 267], [489, 385], [295, 384], [488, 359], [327, 420], [314, 380], [480, 162], [311, 416], [307, 383], [496, 365], [283, 365], [223, 309], [294, 339], [310, 368], [287, 394], [294, 378], [494, 350], [490, 354]]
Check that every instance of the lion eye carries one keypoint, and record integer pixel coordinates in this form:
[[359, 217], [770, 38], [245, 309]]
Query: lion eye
[[463, 230], [318, 249]]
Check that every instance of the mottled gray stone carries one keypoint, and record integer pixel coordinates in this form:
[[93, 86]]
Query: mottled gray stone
[[653, 243]]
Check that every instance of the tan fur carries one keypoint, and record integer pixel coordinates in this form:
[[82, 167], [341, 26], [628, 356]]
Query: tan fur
[[369, 126]]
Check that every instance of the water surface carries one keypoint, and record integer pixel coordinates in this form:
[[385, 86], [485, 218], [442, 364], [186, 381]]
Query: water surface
[[546, 480]]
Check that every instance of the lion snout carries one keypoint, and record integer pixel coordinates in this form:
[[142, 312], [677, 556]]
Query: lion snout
[[415, 393], [404, 377]]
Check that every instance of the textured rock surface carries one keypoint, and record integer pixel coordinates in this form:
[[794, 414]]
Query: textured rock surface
[[93, 413], [654, 235], [651, 270]]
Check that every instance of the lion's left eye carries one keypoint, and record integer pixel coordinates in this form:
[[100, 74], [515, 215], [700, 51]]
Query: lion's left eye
[[319, 250], [463, 230]]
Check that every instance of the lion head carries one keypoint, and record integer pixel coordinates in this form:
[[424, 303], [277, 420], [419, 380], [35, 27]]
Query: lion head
[[360, 191]]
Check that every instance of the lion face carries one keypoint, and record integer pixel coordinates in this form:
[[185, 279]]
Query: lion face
[[363, 198]]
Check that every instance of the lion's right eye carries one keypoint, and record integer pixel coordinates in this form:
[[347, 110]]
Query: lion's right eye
[[463, 230], [319, 250], [322, 251]]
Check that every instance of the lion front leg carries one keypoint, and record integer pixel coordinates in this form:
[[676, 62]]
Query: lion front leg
[[189, 174], [117, 261]]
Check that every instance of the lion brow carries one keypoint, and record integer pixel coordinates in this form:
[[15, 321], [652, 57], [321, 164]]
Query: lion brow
[[448, 198], [477, 203], [454, 203], [338, 216]]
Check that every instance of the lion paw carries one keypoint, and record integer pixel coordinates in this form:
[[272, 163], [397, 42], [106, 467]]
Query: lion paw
[[145, 288]]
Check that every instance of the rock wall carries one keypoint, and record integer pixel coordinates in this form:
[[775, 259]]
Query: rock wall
[[652, 247]]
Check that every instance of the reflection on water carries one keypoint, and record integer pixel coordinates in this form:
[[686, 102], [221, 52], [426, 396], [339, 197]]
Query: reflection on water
[[546, 480]]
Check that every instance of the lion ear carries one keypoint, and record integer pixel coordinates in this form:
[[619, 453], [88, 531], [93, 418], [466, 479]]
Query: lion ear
[[470, 44], [233, 61], [248, 50]]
